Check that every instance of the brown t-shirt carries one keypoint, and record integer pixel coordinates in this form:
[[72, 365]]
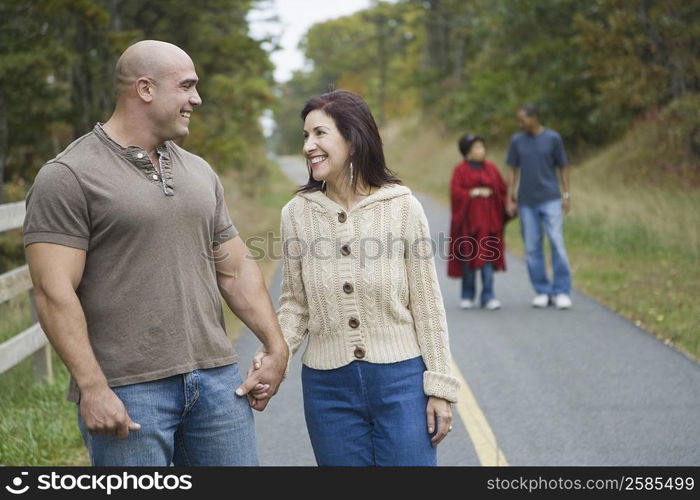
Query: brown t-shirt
[[149, 289]]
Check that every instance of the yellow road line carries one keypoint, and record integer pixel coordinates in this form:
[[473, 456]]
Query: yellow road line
[[478, 428]]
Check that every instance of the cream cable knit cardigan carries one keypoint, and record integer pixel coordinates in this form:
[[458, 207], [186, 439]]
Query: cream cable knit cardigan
[[362, 284]]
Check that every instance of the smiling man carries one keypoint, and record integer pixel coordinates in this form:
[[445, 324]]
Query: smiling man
[[129, 244]]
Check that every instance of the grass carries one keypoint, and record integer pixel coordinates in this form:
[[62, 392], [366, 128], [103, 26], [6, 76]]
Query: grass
[[256, 215], [38, 425], [15, 316], [633, 239]]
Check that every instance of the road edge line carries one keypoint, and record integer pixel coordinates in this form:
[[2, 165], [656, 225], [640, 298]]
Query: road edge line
[[478, 428]]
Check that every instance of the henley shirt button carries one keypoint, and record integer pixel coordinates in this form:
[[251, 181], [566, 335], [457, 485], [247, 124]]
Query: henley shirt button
[[345, 250], [342, 217], [155, 176], [347, 288], [139, 156], [359, 352], [354, 322]]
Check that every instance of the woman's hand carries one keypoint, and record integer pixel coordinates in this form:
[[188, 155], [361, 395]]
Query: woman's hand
[[480, 191], [511, 208], [258, 397], [439, 414]]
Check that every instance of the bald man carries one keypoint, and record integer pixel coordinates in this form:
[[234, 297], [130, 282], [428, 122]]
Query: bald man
[[130, 246]]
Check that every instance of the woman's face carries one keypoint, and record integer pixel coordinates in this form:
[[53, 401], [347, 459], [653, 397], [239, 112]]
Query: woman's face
[[326, 150], [477, 152]]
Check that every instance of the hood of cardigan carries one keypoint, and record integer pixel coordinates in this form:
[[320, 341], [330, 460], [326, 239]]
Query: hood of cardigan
[[323, 203]]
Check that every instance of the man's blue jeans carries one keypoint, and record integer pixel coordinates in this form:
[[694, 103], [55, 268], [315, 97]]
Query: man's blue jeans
[[368, 414], [548, 216], [189, 419], [469, 282]]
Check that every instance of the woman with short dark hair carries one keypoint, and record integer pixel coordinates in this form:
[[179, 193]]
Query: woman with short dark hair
[[478, 196], [360, 283]]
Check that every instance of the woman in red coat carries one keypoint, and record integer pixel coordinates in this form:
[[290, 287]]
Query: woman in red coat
[[478, 196]]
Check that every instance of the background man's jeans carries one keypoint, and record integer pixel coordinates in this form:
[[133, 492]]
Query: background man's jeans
[[189, 419], [549, 216], [469, 282]]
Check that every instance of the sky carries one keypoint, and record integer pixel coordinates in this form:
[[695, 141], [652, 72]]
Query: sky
[[295, 18]]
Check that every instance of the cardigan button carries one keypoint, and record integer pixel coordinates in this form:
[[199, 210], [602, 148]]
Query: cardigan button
[[359, 352], [347, 288], [345, 250], [354, 322], [342, 217]]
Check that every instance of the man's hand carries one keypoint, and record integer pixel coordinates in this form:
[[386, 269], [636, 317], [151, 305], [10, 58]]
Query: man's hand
[[104, 413], [264, 377], [439, 412], [566, 205], [511, 208]]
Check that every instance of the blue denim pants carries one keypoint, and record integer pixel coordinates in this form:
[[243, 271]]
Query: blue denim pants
[[548, 216], [189, 419], [368, 414], [469, 282]]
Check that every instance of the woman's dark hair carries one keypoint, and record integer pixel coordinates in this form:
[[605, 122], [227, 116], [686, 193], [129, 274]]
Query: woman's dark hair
[[466, 142], [356, 124]]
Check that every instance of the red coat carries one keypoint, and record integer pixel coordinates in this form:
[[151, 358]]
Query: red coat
[[476, 229]]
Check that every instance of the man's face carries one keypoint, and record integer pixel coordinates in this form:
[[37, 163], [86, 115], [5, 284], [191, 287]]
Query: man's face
[[525, 122], [175, 97]]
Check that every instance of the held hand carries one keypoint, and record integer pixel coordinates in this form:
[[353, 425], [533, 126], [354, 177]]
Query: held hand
[[474, 192], [439, 413], [566, 205], [104, 413], [511, 208], [259, 392], [264, 378]]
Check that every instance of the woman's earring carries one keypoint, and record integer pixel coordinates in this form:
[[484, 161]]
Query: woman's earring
[[323, 185], [351, 173]]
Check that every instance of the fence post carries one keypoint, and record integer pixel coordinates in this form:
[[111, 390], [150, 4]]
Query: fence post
[[43, 366]]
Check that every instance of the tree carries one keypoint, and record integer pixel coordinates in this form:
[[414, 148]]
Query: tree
[[57, 61], [644, 54]]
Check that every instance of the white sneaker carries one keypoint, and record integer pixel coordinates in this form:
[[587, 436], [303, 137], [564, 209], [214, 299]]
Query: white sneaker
[[562, 301], [541, 300], [493, 304], [466, 304]]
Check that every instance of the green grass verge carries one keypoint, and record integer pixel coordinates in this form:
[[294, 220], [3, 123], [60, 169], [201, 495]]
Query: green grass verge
[[38, 425]]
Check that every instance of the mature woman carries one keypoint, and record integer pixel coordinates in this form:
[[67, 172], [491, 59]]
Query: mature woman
[[360, 282], [478, 195]]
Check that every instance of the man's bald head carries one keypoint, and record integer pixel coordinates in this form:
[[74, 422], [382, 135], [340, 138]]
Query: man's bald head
[[148, 58], [156, 91]]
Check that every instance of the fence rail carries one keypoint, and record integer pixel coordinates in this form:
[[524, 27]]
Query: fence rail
[[32, 341], [11, 215]]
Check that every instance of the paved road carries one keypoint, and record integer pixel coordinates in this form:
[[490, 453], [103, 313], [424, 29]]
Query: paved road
[[578, 387]]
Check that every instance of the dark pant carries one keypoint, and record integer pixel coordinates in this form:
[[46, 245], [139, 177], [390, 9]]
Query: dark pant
[[469, 282], [366, 414]]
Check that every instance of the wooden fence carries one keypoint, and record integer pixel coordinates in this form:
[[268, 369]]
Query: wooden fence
[[32, 341]]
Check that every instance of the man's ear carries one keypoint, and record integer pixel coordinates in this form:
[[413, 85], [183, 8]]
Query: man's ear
[[144, 89]]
